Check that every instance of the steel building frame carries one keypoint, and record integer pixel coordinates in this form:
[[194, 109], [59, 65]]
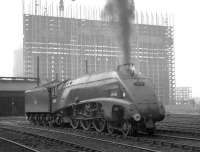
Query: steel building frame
[[66, 40]]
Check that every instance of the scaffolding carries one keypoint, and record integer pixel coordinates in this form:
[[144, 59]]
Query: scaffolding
[[69, 38], [183, 94]]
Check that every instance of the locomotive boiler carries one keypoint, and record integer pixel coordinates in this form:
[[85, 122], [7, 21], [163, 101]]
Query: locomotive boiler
[[119, 100]]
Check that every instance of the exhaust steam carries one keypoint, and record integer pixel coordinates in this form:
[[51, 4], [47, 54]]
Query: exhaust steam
[[123, 11]]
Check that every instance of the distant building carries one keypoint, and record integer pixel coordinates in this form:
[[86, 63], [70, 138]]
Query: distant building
[[18, 63], [65, 43], [183, 94]]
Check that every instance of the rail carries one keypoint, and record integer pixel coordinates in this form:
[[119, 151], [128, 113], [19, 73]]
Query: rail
[[18, 144]]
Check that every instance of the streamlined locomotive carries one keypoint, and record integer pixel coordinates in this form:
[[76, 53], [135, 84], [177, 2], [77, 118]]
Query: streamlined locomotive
[[119, 100]]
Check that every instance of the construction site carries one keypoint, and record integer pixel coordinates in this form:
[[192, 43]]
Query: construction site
[[72, 40]]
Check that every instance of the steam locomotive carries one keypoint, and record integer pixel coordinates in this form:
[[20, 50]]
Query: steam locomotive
[[119, 100]]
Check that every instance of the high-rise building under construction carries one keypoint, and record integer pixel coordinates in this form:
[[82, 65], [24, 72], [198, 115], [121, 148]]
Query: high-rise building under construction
[[76, 39]]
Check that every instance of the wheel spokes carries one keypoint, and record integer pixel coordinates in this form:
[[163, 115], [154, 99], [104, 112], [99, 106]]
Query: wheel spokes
[[44, 123], [126, 128], [59, 121], [74, 123], [85, 124], [110, 128], [99, 124]]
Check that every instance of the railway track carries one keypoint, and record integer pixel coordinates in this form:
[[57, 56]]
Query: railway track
[[172, 142], [42, 143], [178, 132], [159, 141], [179, 143], [181, 121], [177, 137], [166, 140], [101, 144], [8, 146]]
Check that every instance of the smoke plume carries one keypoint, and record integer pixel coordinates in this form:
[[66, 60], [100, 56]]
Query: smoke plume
[[123, 11]]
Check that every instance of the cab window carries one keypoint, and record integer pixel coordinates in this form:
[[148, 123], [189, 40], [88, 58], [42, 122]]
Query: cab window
[[114, 93], [117, 93]]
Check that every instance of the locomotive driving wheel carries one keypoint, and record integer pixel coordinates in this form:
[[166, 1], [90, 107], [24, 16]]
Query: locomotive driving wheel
[[85, 124], [37, 120], [110, 129], [99, 124], [74, 123], [59, 121], [32, 121], [44, 122], [126, 128], [50, 123], [49, 120]]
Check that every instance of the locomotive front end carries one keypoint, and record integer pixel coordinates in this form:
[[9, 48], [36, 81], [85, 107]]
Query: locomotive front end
[[141, 93]]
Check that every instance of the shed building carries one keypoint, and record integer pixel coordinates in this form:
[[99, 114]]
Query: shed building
[[12, 94]]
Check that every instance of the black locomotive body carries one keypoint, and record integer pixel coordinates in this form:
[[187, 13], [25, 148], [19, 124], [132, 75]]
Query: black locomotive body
[[121, 100]]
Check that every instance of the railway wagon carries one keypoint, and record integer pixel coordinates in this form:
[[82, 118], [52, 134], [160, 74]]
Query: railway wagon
[[118, 100]]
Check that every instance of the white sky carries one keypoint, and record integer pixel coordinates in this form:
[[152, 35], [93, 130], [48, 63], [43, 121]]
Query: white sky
[[187, 32]]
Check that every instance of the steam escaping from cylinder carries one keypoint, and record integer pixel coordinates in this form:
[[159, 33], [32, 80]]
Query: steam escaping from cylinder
[[123, 11]]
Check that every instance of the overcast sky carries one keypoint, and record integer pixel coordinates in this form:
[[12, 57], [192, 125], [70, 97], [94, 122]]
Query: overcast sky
[[186, 38]]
